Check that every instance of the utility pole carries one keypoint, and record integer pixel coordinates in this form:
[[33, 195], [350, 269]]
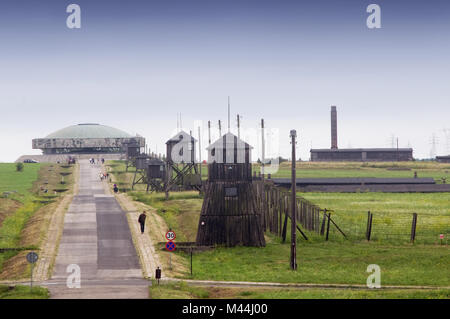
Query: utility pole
[[398, 155], [238, 126], [262, 149], [220, 129], [293, 206], [199, 151], [209, 132], [191, 147], [228, 114]]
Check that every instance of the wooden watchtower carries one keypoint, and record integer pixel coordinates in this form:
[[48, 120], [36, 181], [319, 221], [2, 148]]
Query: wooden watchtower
[[229, 215], [132, 150], [150, 171], [180, 158], [140, 162]]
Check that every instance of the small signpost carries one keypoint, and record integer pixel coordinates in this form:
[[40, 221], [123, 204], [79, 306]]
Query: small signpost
[[32, 258], [170, 245], [170, 235], [441, 237]]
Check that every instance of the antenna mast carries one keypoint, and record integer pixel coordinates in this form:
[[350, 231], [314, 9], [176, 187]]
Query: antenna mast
[[209, 132], [238, 127], [228, 114]]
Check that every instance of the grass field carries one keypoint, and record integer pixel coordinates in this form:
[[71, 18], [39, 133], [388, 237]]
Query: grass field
[[181, 290], [392, 215], [23, 292], [326, 263], [23, 214], [358, 169], [20, 182]]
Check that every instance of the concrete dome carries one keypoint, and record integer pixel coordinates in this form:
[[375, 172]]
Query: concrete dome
[[89, 130]]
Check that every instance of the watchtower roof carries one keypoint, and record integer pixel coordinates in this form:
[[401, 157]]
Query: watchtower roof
[[181, 136], [229, 140]]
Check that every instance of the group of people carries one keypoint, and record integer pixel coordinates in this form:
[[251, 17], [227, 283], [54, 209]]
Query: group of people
[[92, 161], [104, 176]]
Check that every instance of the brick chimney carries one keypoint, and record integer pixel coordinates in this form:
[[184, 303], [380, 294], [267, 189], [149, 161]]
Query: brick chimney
[[334, 144]]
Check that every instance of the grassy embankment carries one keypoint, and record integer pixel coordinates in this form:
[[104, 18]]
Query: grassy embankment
[[23, 292], [25, 211], [336, 261], [181, 290]]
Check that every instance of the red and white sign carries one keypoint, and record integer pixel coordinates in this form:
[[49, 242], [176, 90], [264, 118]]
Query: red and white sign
[[441, 236], [170, 246], [170, 235]]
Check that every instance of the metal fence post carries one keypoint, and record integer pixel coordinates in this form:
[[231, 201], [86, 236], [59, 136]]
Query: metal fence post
[[413, 227], [328, 226], [369, 225], [322, 228]]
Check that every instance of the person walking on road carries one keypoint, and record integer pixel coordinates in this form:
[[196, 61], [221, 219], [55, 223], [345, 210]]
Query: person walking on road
[[141, 221]]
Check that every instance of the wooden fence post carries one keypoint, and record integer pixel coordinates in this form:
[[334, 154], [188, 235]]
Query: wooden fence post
[[286, 213], [328, 226], [322, 228], [413, 227], [369, 225]]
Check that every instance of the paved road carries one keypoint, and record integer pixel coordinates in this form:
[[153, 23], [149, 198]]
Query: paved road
[[97, 238]]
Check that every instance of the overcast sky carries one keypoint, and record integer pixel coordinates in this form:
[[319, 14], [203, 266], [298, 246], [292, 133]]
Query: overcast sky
[[135, 64]]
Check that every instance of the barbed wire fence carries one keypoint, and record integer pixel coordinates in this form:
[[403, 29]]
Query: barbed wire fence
[[399, 228]]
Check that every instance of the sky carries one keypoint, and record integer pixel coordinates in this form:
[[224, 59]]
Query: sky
[[135, 65]]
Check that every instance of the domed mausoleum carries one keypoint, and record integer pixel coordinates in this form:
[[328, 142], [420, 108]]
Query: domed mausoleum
[[86, 138]]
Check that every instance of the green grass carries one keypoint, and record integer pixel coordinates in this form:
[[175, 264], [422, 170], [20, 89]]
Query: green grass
[[180, 212], [23, 292], [21, 182], [176, 290], [359, 169], [13, 225], [326, 262], [345, 294], [392, 214], [27, 184], [181, 290]]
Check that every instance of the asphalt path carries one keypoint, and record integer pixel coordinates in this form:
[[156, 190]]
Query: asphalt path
[[96, 240]]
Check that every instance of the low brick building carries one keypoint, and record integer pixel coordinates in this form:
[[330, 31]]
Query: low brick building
[[335, 154], [362, 154], [443, 159]]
